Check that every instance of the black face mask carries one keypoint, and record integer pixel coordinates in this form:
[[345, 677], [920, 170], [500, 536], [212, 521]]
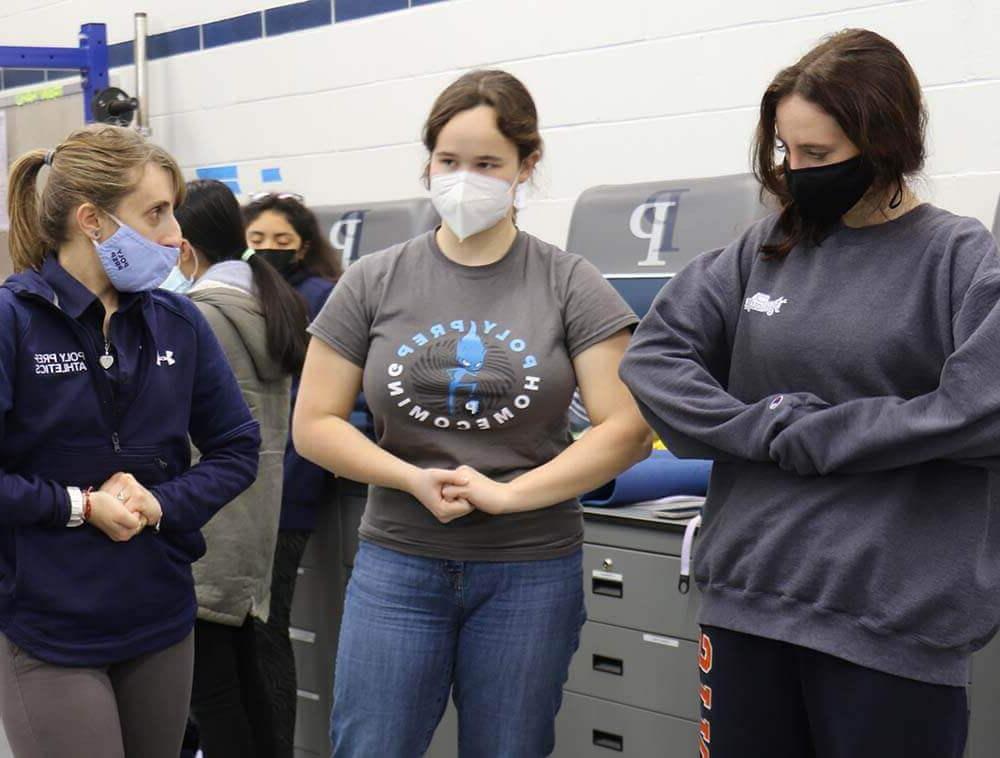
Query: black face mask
[[825, 193], [282, 260]]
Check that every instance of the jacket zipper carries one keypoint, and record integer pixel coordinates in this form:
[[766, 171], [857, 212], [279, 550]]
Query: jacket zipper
[[87, 345]]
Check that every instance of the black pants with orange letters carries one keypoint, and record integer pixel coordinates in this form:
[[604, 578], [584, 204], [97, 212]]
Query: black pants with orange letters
[[766, 699]]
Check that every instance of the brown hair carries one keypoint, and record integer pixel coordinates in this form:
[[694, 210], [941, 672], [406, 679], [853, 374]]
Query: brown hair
[[98, 164], [517, 117], [866, 84], [319, 258]]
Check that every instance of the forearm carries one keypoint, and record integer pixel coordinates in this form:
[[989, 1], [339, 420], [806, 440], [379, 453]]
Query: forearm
[[598, 456], [877, 434], [693, 413], [334, 444], [190, 500], [32, 501]]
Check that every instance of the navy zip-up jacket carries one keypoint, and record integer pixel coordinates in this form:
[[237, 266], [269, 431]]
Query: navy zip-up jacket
[[72, 596], [306, 485]]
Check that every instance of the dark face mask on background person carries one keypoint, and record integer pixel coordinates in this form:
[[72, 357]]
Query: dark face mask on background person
[[823, 194], [282, 260]]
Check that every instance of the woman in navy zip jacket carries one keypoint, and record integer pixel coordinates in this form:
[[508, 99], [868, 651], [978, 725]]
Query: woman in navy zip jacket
[[103, 382], [286, 234]]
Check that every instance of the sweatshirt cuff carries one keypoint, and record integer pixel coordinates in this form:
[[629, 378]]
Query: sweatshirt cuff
[[62, 506], [788, 410]]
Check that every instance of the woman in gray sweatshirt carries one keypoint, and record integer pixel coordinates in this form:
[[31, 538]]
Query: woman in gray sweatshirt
[[260, 322], [839, 362]]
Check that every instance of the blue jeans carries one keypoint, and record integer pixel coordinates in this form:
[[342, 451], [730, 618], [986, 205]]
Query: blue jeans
[[501, 635]]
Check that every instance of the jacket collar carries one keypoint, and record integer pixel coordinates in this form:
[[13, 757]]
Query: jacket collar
[[54, 283]]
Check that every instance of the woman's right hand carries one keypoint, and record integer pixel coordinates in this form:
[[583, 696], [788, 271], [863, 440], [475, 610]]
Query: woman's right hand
[[112, 517], [426, 486]]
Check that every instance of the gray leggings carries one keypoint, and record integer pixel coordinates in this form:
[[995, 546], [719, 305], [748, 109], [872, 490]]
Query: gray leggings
[[135, 709]]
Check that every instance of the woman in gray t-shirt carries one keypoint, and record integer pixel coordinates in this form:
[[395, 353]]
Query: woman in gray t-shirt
[[468, 342]]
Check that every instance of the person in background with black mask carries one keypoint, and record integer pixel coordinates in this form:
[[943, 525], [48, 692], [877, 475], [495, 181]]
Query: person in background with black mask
[[839, 363], [286, 234]]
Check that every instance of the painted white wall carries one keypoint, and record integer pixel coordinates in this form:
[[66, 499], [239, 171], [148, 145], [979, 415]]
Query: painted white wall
[[630, 90]]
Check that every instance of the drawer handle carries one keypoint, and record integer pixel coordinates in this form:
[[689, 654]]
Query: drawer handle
[[609, 665], [609, 741], [609, 587]]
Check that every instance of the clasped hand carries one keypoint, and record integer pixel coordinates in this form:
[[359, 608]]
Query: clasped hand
[[122, 508], [450, 495]]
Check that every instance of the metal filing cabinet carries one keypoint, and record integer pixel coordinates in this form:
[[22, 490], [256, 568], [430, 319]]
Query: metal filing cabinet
[[632, 690], [316, 612], [633, 683]]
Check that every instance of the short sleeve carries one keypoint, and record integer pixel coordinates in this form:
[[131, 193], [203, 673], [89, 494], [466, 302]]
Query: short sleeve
[[344, 322], [593, 310]]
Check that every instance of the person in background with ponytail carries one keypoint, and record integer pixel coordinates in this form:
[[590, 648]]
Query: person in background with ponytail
[[260, 322], [286, 234], [104, 383]]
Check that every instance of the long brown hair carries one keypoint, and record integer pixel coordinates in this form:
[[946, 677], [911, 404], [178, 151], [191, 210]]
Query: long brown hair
[[517, 117], [866, 84], [319, 258], [212, 222], [98, 164]]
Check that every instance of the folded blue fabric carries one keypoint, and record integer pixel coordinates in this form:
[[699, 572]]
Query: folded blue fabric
[[662, 474]]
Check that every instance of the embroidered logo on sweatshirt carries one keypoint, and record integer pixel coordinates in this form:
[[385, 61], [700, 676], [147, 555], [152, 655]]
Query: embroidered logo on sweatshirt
[[761, 303], [71, 362], [167, 357]]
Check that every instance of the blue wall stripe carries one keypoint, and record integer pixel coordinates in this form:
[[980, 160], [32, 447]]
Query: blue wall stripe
[[280, 19], [233, 186], [239, 29], [178, 41], [19, 77], [348, 10], [270, 174], [121, 54], [293, 18], [216, 172]]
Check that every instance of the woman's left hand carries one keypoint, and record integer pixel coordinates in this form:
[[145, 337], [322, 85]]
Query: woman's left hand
[[484, 494], [127, 489]]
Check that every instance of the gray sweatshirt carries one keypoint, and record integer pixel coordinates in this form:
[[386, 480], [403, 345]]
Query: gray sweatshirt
[[234, 576], [850, 396]]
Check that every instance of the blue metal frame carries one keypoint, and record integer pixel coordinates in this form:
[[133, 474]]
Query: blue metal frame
[[91, 58]]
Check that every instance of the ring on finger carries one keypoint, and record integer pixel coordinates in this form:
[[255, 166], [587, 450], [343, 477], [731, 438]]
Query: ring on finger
[[120, 497]]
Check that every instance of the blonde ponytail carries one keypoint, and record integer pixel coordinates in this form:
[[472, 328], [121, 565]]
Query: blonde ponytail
[[26, 242]]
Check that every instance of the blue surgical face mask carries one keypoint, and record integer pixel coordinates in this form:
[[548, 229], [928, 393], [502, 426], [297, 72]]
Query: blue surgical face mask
[[177, 282], [132, 262]]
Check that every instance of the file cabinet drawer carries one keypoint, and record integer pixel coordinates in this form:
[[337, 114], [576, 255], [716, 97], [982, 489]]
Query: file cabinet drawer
[[309, 599], [311, 660], [645, 670], [638, 590], [592, 728], [311, 721]]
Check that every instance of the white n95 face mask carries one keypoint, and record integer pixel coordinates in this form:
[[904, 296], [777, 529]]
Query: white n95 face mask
[[469, 202]]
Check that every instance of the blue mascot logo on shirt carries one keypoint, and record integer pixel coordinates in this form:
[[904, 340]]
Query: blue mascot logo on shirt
[[464, 374], [470, 354]]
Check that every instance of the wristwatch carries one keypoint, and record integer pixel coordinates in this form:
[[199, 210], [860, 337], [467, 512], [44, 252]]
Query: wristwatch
[[75, 506]]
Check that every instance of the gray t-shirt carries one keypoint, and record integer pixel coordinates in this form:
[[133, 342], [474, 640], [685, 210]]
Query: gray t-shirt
[[470, 365]]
